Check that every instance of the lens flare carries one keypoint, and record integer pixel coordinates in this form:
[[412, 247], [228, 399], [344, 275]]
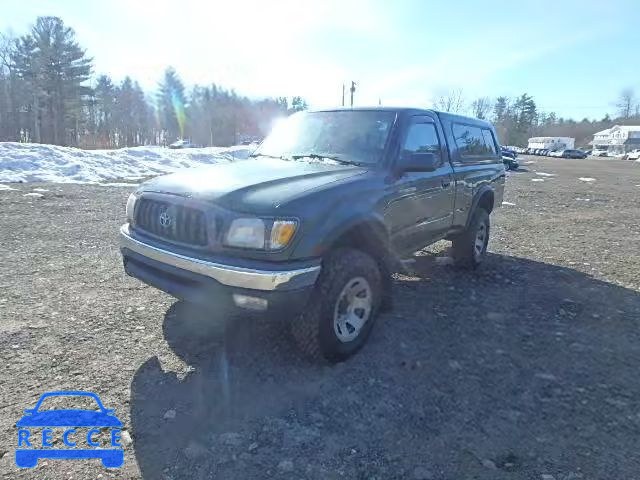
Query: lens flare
[[178, 109]]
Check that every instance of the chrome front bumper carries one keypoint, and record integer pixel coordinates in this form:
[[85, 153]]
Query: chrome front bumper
[[228, 275]]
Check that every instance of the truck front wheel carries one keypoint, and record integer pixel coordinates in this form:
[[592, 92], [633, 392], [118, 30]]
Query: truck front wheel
[[342, 307]]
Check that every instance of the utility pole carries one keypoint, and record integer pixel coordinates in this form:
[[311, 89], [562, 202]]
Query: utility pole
[[353, 90], [343, 94]]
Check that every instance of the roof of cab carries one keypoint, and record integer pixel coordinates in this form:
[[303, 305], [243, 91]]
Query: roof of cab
[[411, 111]]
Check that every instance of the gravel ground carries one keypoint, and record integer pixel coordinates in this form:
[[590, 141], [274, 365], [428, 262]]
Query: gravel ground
[[526, 369]]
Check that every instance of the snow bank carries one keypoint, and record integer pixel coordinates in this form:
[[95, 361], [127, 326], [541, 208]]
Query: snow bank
[[31, 162]]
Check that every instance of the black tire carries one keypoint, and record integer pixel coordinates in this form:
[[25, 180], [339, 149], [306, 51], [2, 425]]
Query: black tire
[[314, 330], [464, 245]]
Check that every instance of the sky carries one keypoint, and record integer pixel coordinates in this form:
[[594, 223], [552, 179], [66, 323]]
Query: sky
[[573, 56]]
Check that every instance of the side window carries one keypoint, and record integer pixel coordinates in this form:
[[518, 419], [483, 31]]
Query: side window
[[471, 141], [422, 138], [489, 141]]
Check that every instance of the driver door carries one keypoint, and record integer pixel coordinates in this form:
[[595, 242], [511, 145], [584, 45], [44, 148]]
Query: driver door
[[421, 209]]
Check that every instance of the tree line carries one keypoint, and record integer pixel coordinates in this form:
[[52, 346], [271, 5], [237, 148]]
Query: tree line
[[48, 94], [45, 97], [518, 119]]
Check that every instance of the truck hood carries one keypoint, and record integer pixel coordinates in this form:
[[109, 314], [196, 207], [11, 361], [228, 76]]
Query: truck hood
[[254, 186]]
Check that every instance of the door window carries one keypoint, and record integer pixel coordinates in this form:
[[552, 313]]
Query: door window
[[422, 138]]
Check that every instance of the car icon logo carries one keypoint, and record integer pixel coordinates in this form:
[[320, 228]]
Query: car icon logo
[[43, 422], [165, 219]]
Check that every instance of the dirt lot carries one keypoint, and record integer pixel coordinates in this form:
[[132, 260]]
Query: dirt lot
[[526, 369]]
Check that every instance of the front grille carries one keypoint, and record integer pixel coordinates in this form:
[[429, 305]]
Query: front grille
[[176, 223]]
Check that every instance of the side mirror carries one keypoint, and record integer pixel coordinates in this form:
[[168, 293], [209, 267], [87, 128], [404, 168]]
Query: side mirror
[[417, 162]]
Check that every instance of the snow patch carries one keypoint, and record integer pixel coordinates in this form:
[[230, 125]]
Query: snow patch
[[6, 188], [31, 162], [508, 204], [34, 195], [587, 179], [543, 174], [537, 180], [120, 184], [40, 190]]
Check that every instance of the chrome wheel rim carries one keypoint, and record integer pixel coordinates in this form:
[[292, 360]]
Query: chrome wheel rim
[[353, 309], [480, 242]]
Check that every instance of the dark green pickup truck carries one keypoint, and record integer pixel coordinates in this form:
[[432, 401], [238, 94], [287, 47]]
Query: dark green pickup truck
[[312, 226]]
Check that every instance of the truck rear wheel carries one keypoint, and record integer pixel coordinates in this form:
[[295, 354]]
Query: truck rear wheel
[[470, 247], [342, 308]]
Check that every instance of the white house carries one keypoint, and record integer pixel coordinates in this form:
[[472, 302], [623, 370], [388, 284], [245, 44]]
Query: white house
[[552, 143], [617, 139]]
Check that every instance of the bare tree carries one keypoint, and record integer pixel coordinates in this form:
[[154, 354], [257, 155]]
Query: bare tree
[[8, 115], [481, 107], [450, 101], [626, 103]]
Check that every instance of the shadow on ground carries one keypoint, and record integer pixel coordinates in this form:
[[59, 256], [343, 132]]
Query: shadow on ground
[[517, 370]]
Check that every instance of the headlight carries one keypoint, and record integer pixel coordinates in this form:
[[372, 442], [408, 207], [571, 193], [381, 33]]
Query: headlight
[[131, 203], [255, 233], [246, 233]]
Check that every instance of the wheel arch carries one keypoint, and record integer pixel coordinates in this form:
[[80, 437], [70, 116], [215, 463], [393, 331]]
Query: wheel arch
[[370, 235], [485, 199]]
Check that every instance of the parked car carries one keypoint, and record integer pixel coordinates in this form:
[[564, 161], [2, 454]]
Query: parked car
[[600, 152], [312, 225], [509, 153], [634, 155], [556, 153], [184, 144], [510, 163], [572, 153]]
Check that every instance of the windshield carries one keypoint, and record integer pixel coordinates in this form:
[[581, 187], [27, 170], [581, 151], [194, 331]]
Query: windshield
[[347, 135]]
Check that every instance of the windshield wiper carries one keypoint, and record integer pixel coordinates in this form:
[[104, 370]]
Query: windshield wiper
[[281, 157], [324, 157]]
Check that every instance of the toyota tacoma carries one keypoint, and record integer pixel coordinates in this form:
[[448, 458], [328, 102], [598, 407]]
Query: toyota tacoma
[[314, 223]]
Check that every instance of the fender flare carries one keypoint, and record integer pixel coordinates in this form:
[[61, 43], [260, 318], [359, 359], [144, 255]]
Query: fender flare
[[375, 227], [482, 191]]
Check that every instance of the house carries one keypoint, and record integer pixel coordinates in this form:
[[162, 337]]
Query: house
[[552, 143], [618, 139]]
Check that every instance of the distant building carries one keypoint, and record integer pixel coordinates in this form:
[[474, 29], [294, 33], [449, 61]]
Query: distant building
[[552, 143], [617, 139]]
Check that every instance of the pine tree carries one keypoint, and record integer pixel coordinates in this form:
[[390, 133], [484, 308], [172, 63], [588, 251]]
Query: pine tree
[[55, 68], [172, 106], [105, 102], [298, 104]]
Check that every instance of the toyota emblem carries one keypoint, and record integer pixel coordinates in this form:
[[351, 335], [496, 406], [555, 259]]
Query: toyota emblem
[[165, 219]]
